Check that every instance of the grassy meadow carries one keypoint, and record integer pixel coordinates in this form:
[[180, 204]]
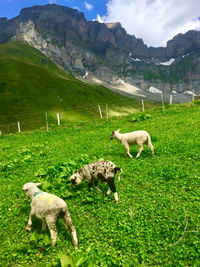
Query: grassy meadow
[[157, 220], [31, 85]]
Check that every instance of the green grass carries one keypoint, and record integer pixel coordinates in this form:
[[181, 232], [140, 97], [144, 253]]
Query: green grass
[[31, 84], [157, 221]]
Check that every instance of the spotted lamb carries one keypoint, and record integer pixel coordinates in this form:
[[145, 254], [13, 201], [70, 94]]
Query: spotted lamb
[[48, 208], [136, 137], [98, 171]]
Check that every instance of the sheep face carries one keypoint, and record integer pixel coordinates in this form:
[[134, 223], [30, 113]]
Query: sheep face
[[75, 179], [30, 189], [112, 136]]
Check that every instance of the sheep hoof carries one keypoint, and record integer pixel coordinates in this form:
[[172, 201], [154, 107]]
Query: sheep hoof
[[28, 229], [53, 243]]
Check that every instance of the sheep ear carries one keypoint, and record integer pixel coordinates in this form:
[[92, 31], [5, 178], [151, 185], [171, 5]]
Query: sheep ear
[[112, 132], [118, 130], [37, 184]]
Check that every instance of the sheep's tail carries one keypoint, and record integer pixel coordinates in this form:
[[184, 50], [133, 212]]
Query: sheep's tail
[[72, 230], [150, 145], [120, 171]]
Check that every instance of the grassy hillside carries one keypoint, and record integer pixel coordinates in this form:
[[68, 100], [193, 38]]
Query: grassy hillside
[[31, 84], [157, 220]]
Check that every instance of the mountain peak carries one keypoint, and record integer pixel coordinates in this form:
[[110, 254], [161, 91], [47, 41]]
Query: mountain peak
[[105, 50], [57, 11]]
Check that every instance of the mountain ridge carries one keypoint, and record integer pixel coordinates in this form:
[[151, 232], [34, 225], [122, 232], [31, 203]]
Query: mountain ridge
[[109, 53], [60, 14]]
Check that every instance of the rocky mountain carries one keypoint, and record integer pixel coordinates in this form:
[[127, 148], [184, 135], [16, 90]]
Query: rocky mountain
[[106, 51]]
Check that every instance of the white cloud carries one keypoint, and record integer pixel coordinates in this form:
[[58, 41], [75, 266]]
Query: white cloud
[[88, 6], [99, 19], [155, 21]]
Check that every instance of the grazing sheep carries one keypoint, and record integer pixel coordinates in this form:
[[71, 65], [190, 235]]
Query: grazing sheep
[[98, 171], [137, 137], [48, 208]]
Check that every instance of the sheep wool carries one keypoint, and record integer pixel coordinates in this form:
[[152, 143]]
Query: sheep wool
[[48, 208], [103, 170], [137, 137]]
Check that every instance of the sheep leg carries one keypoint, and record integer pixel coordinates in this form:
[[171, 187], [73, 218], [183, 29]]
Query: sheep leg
[[97, 188], [120, 171], [51, 222], [112, 186], [140, 151], [89, 185], [127, 150], [108, 192], [152, 148], [44, 225], [72, 230], [149, 144], [28, 227]]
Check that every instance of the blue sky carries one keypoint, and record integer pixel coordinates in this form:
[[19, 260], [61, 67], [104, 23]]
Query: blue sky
[[11, 8], [155, 21]]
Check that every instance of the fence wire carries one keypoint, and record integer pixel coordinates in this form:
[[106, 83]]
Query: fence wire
[[89, 112]]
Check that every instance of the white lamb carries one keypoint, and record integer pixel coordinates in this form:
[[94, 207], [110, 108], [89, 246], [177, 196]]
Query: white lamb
[[136, 137], [48, 208]]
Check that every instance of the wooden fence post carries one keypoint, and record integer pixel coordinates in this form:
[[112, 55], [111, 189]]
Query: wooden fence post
[[171, 100], [142, 105], [192, 95], [58, 118], [100, 112], [18, 126]]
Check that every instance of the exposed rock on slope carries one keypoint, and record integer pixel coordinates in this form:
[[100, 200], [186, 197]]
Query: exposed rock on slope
[[106, 50]]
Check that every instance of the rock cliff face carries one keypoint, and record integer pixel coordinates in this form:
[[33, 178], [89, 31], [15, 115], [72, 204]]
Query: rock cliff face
[[106, 50]]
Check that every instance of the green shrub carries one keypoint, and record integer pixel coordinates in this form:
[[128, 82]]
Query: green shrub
[[140, 117]]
